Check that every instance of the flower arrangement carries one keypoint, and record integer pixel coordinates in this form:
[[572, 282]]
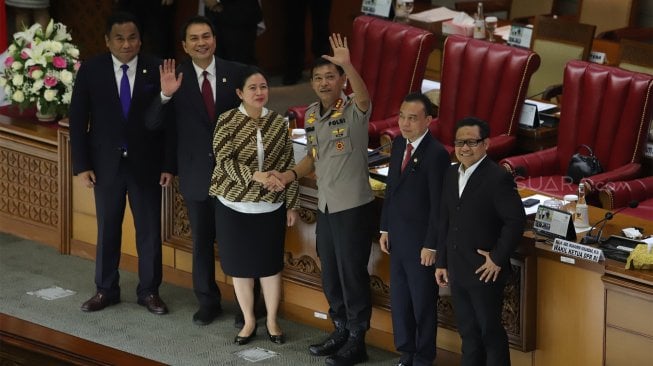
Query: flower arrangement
[[40, 69]]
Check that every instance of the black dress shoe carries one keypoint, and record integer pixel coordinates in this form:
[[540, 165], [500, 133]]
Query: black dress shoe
[[277, 338], [353, 352], [240, 340], [205, 316], [99, 301], [331, 345], [154, 304]]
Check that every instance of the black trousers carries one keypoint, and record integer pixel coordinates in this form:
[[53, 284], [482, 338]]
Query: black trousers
[[202, 224], [344, 242], [478, 317], [145, 201], [413, 296], [295, 31]]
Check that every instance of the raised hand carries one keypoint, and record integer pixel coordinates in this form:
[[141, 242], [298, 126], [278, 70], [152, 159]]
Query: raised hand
[[169, 81], [340, 50]]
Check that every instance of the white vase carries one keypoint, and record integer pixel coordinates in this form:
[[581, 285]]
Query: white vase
[[45, 117]]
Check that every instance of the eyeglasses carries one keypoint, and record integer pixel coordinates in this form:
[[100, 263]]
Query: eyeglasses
[[470, 143]]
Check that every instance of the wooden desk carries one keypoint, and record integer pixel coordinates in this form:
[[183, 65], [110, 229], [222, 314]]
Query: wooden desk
[[535, 139], [587, 313]]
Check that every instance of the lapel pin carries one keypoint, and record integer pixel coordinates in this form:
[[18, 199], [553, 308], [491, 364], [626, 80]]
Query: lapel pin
[[224, 80], [144, 71]]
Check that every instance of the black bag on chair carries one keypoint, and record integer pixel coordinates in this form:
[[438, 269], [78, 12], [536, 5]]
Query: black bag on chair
[[581, 166]]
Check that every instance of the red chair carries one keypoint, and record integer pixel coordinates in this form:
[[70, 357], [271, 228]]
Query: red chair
[[391, 58], [485, 80], [603, 107], [619, 194]]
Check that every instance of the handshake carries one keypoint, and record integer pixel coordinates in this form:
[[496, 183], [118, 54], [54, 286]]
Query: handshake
[[274, 180]]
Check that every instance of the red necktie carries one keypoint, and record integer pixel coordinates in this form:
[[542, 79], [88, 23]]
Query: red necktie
[[207, 95], [409, 150]]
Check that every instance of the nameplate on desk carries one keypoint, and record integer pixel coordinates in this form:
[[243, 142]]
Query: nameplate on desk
[[520, 36], [377, 7], [554, 223], [529, 116], [577, 250]]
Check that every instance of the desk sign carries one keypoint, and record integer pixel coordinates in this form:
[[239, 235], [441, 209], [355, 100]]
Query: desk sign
[[554, 223], [377, 7], [577, 250], [529, 116], [520, 36]]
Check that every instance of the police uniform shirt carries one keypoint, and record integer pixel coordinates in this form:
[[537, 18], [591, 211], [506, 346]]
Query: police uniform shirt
[[337, 141]]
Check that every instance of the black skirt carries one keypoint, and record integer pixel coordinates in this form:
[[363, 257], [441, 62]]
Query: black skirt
[[250, 245]]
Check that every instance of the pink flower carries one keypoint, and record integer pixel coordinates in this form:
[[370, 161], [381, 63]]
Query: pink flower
[[31, 69], [24, 55], [8, 61], [77, 65], [59, 62], [50, 81]]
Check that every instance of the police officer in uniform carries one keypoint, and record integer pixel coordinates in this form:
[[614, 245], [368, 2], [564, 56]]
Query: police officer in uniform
[[336, 130]]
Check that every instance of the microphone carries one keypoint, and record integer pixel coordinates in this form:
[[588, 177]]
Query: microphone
[[591, 239]]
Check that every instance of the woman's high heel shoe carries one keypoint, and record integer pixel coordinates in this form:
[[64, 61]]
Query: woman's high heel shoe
[[277, 338], [240, 340]]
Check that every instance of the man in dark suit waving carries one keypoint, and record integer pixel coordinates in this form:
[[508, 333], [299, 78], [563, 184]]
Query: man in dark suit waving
[[193, 96], [481, 223], [409, 227], [115, 154]]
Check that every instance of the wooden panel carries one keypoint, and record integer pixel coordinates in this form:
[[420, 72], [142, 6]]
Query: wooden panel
[[625, 348], [25, 343], [629, 312], [29, 178], [570, 314], [607, 14]]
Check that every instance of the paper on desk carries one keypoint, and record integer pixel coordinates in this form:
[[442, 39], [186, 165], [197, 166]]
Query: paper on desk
[[533, 209], [541, 106], [434, 15], [503, 32]]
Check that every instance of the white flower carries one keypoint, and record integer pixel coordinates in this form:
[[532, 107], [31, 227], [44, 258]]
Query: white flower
[[37, 74], [3, 82], [52, 46], [16, 66], [7, 90], [66, 97], [49, 28], [17, 80], [66, 77], [18, 96], [37, 86], [72, 51], [50, 95], [12, 48]]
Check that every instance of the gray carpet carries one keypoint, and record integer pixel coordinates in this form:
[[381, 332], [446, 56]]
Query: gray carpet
[[172, 338]]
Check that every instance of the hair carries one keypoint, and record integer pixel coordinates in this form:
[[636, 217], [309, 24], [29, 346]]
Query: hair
[[122, 17], [321, 61], [424, 100], [197, 19], [249, 71], [483, 127]]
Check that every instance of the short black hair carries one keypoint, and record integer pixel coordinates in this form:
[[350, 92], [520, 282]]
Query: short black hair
[[483, 127], [249, 71], [421, 98], [122, 17], [321, 61], [197, 19]]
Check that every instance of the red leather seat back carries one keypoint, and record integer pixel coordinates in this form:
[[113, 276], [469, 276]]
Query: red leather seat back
[[485, 80], [606, 108], [391, 58]]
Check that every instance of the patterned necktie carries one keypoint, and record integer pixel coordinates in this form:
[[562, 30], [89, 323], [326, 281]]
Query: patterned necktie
[[207, 95], [409, 150], [125, 92]]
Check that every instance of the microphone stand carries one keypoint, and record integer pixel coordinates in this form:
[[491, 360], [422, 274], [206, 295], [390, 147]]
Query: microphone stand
[[590, 239]]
